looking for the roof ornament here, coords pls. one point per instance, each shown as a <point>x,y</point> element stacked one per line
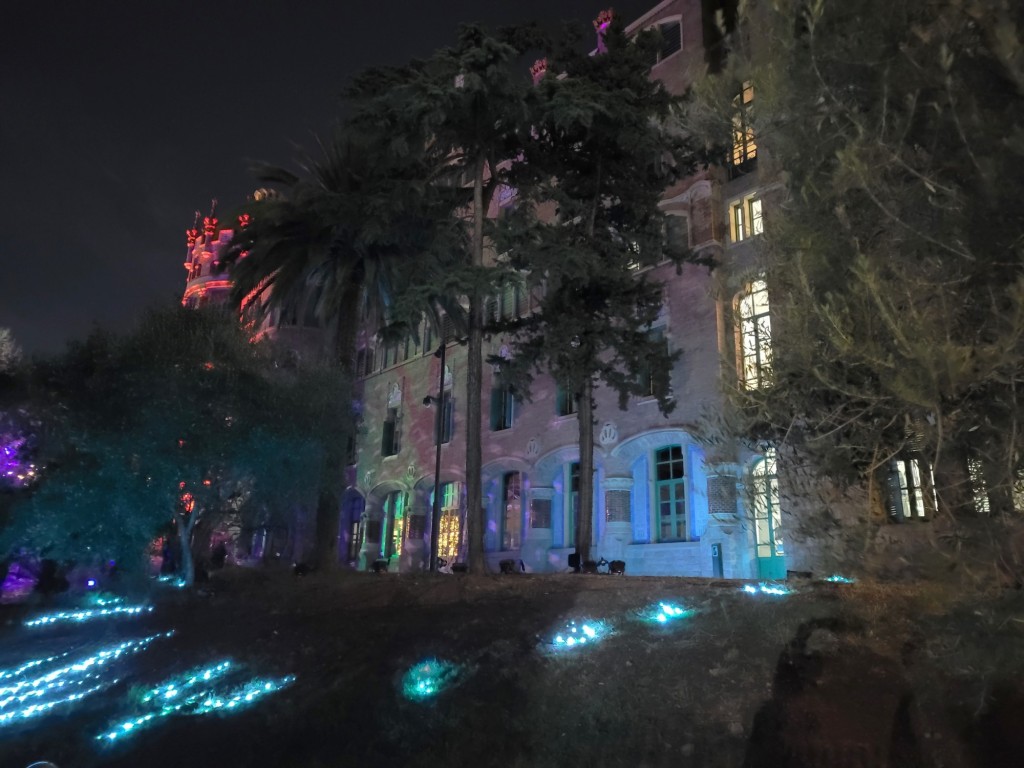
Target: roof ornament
<point>193,234</point>
<point>210,222</point>
<point>601,24</point>
<point>538,70</point>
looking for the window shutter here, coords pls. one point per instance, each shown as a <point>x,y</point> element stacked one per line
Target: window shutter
<point>497,408</point>
<point>671,38</point>
<point>896,512</point>
<point>449,418</point>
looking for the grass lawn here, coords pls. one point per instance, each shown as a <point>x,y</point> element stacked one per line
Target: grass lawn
<point>831,675</point>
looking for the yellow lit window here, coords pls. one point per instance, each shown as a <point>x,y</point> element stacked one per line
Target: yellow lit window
<point>746,219</point>
<point>755,337</point>
<point>744,146</point>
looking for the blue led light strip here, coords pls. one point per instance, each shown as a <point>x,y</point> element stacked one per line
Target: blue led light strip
<point>50,688</point>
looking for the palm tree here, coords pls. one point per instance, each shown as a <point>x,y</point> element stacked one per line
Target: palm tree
<point>342,235</point>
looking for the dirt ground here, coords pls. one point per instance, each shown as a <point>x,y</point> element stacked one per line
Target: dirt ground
<point>833,675</point>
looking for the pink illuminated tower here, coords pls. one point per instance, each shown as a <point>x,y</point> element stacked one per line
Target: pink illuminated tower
<point>204,282</point>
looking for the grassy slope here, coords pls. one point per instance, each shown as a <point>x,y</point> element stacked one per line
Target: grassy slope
<point>900,675</point>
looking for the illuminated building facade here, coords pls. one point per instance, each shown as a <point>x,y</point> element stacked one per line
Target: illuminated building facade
<point>663,502</point>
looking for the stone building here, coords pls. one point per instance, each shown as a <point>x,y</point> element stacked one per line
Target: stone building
<point>664,502</point>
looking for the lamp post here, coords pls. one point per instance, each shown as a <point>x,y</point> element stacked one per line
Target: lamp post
<point>435,522</point>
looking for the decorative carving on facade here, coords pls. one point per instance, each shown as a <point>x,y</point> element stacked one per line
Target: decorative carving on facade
<point>368,476</point>
<point>395,396</point>
<point>533,448</point>
<point>609,434</point>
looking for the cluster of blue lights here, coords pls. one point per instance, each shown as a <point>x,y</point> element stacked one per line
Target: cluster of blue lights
<point>38,686</point>
<point>767,588</point>
<point>103,599</point>
<point>429,678</point>
<point>173,581</point>
<point>197,692</point>
<point>578,635</point>
<point>87,614</point>
<point>835,578</point>
<point>664,613</point>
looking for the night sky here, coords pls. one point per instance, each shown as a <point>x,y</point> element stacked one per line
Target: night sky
<point>118,120</point>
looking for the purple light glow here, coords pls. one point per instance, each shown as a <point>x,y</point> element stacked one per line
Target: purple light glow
<point>15,470</point>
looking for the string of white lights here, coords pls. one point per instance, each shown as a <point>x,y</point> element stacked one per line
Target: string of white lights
<point>86,614</point>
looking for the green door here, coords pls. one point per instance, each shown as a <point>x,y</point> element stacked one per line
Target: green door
<point>771,560</point>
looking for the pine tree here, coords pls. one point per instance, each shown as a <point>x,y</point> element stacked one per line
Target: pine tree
<point>603,147</point>
<point>465,107</point>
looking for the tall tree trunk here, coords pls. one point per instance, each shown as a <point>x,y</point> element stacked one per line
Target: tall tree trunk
<point>585,513</point>
<point>184,525</point>
<point>332,471</point>
<point>474,368</point>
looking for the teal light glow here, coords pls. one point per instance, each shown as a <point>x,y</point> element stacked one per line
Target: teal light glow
<point>835,578</point>
<point>767,588</point>
<point>38,686</point>
<point>576,635</point>
<point>104,599</point>
<point>197,692</point>
<point>664,613</point>
<point>172,581</point>
<point>87,614</point>
<point>429,678</point>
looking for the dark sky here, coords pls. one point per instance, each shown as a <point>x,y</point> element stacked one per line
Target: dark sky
<point>119,119</point>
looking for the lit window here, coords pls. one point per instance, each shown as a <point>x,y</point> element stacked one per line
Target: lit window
<point>512,511</point>
<point>979,486</point>
<point>755,337</point>
<point>744,146</point>
<point>767,508</point>
<point>908,499</point>
<point>394,519</point>
<point>670,493</point>
<point>449,530</point>
<point>745,219</point>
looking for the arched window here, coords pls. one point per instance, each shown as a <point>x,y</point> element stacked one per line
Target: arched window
<point>512,511</point>
<point>755,334</point>
<point>394,520</point>
<point>767,507</point>
<point>450,530</point>
<point>670,493</point>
